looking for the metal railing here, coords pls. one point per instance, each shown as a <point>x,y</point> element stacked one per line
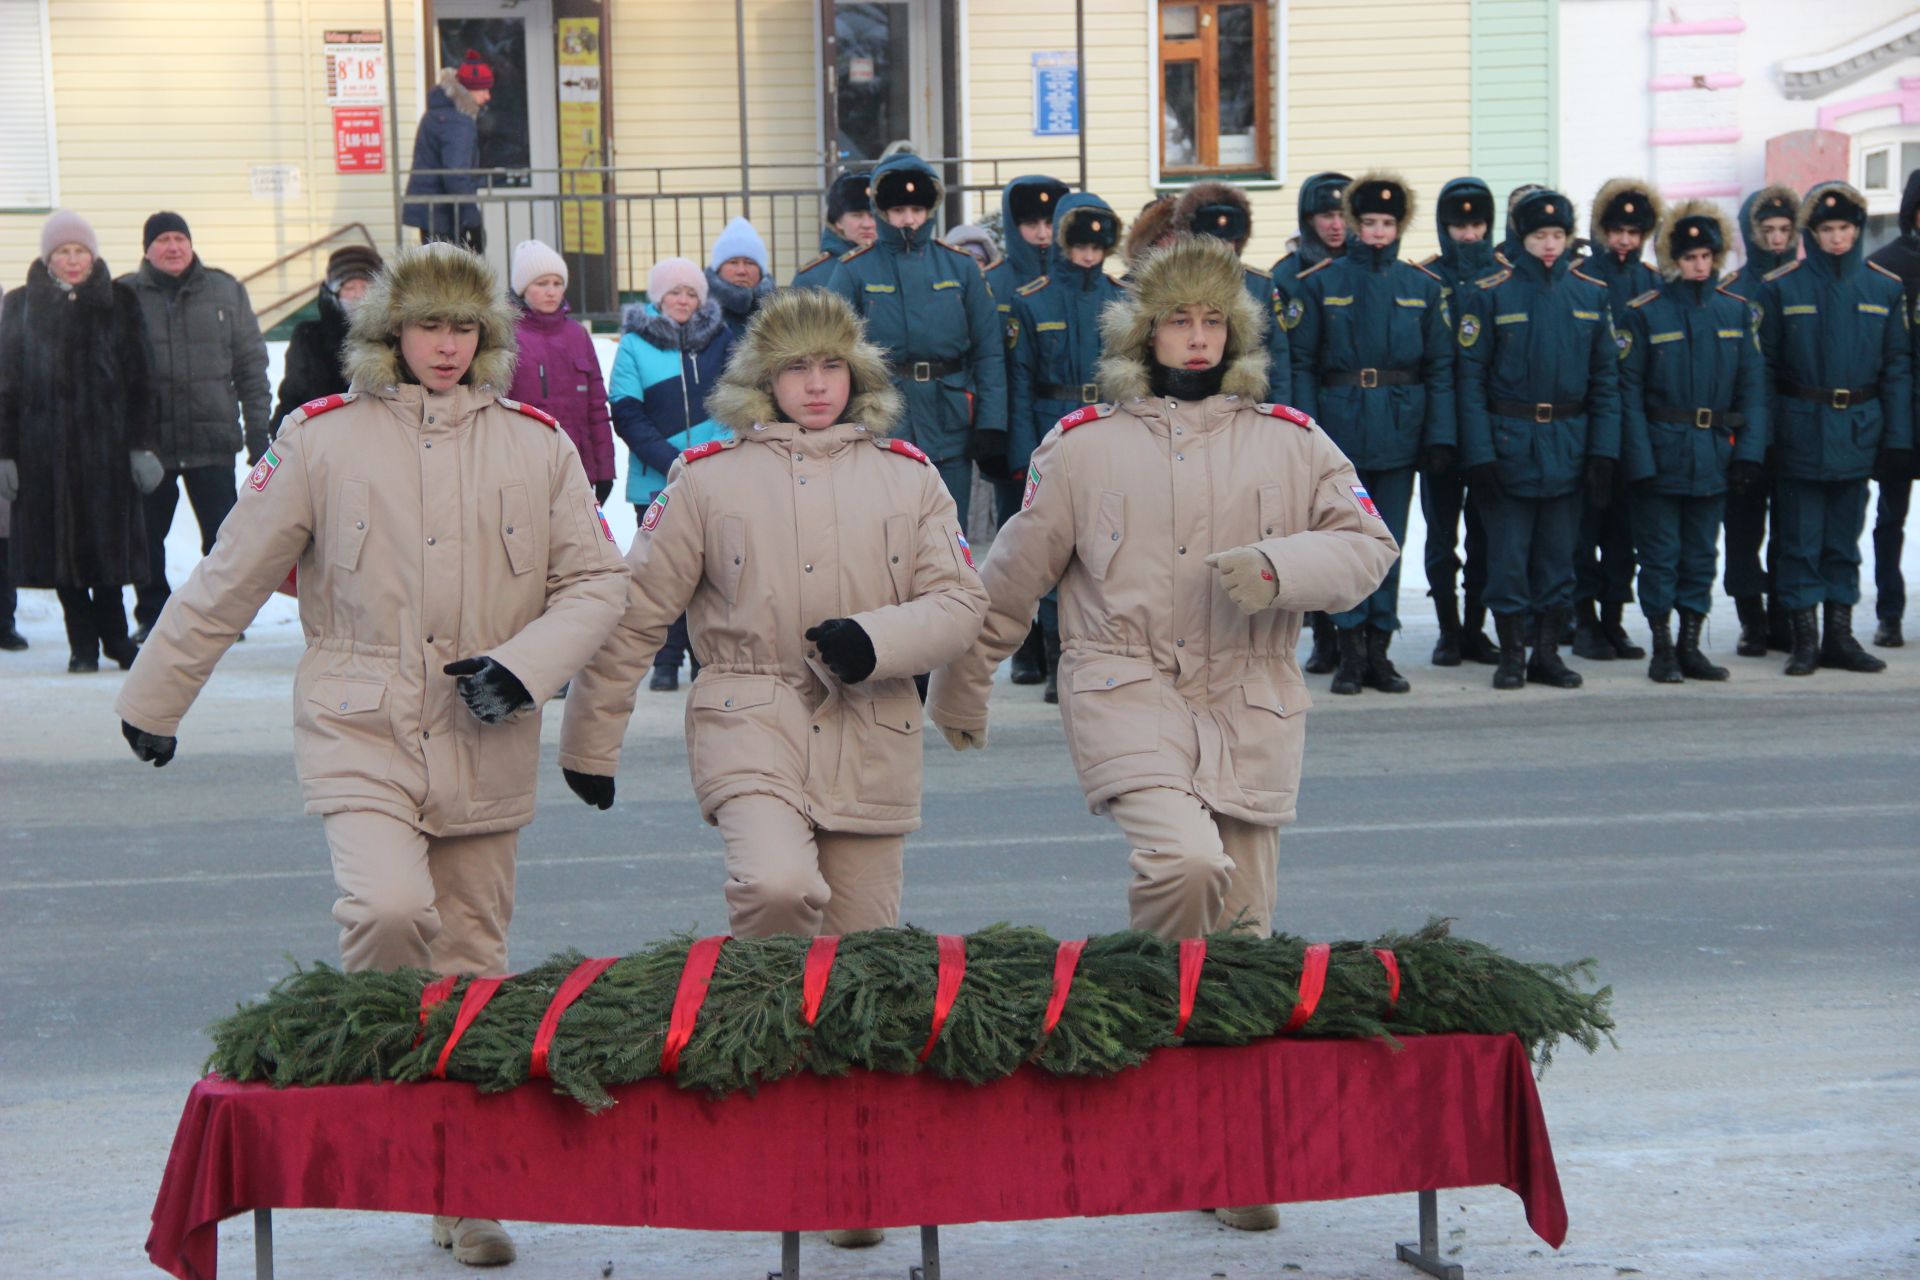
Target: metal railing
<point>271,313</point>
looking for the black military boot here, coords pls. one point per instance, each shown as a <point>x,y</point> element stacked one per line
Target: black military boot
<point>1888,635</point>
<point>1838,648</point>
<point>1616,633</point>
<point>1780,637</point>
<point>1351,673</point>
<point>1512,671</point>
<point>1474,645</point>
<point>1693,663</point>
<point>1325,655</point>
<point>1545,666</point>
<point>1051,647</point>
<point>1589,641</point>
<point>1805,656</point>
<point>1381,673</point>
<point>1753,626</point>
<point>1030,659</point>
<point>1446,650</point>
<point>1665,668</point>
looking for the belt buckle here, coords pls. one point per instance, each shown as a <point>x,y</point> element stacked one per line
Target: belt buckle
<point>1842,397</point>
<point>1543,413</point>
<point>923,371</point>
<point>1703,419</point>
<point>1089,393</point>
<point>1369,378</point>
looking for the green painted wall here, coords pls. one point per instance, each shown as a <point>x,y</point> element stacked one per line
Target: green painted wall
<point>1515,91</point>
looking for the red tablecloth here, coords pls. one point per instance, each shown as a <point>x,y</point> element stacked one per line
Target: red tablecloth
<point>1278,1121</point>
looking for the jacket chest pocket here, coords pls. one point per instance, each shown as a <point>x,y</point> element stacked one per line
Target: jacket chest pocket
<point>729,559</point>
<point>1273,511</point>
<point>351,516</point>
<point>584,372</point>
<point>900,557</point>
<point>516,530</point>
<point>1102,541</point>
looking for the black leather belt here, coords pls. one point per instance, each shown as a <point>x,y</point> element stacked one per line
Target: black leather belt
<point>1084,393</point>
<point>1370,378</point>
<point>1833,397</point>
<point>1541,413</point>
<point>925,370</point>
<point>1705,419</point>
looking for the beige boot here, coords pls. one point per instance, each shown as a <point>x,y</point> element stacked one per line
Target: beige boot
<point>1250,1217</point>
<point>855,1237</point>
<point>478,1242</point>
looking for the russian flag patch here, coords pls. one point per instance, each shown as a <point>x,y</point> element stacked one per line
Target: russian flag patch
<point>966,551</point>
<point>1364,500</point>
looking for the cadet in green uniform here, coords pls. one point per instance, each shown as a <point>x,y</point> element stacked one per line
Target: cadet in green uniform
<point>849,226</point>
<point>1834,328</point>
<point>1373,363</point>
<point>1693,423</point>
<point>1766,226</point>
<point>1626,214</point>
<point>1539,406</point>
<point>927,306</point>
<point>1223,211</point>
<point>1465,215</point>
<point>1027,208</point>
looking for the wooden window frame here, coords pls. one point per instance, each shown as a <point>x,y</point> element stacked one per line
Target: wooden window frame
<point>1203,50</point>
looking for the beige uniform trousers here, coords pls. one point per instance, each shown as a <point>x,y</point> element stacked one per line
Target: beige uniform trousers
<point>411,900</point>
<point>1194,871</point>
<point>784,875</point>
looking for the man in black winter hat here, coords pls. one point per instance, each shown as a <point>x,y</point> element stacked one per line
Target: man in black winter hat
<point>850,225</point>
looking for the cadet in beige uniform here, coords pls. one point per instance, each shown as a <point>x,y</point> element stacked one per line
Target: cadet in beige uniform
<point>1189,527</point>
<point>821,568</point>
<point>453,573</point>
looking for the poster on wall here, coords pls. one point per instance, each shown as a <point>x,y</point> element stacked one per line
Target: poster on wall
<point>356,68</point>
<point>1056,94</point>
<point>583,224</point>
<point>359,140</point>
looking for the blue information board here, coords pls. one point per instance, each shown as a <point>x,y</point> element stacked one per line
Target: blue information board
<point>1056,94</point>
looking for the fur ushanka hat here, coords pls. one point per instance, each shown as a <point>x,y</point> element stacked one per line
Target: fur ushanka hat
<point>1198,270</point>
<point>798,324</point>
<point>437,281</point>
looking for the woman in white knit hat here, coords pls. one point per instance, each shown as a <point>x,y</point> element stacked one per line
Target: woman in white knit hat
<point>559,370</point>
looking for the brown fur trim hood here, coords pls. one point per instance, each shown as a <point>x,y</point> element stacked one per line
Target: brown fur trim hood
<point>1663,255</point>
<point>1613,187</point>
<point>433,282</point>
<point>1202,194</point>
<point>1152,222</point>
<point>792,325</point>
<point>1814,197</point>
<point>1379,178</point>
<point>1193,269</point>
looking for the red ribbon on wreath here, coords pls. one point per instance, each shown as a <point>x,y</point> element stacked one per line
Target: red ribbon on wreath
<point>813,985</point>
<point>430,996</point>
<point>479,991</point>
<point>1392,965</point>
<point>1193,958</point>
<point>695,976</point>
<point>1066,958</point>
<point>570,990</point>
<point>953,968</point>
<point>1313,981</point>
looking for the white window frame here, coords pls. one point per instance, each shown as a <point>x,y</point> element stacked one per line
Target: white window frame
<point>52,139</point>
<point>1277,35</point>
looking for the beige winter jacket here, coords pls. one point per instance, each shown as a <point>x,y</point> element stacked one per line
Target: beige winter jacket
<point>425,529</point>
<point>759,539</point>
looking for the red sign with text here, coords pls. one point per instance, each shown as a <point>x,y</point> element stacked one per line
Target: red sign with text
<point>359,141</point>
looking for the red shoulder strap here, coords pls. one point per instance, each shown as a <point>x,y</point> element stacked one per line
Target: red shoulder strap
<point>706,450</point>
<point>905,450</point>
<point>1286,412</point>
<point>1083,415</point>
<point>325,404</point>
<point>538,415</point>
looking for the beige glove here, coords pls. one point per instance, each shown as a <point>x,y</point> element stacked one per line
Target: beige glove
<point>964,739</point>
<point>1248,577</point>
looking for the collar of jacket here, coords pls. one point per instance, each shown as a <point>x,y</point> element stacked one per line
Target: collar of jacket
<point>898,240</point>
<point>1470,258</point>
<point>1060,268</point>
<point>653,326</point>
<point>1200,417</point>
<point>734,299</point>
<point>1692,293</point>
<point>1528,267</point>
<point>1372,257</point>
<point>554,321</point>
<point>1837,265</point>
<point>409,401</point>
<point>792,439</point>
<point>833,242</point>
<point>95,291</point>
<point>152,277</point>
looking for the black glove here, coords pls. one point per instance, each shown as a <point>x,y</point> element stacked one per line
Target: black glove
<point>1438,460</point>
<point>474,238</point>
<point>845,648</point>
<point>602,490</point>
<point>490,691</point>
<point>988,450</point>
<point>1599,483</point>
<point>1484,481</point>
<point>591,787</point>
<point>149,746</point>
<point>1744,475</point>
<point>257,446</point>
<point>1893,466</point>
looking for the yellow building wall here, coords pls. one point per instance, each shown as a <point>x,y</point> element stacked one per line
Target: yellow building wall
<point>168,106</point>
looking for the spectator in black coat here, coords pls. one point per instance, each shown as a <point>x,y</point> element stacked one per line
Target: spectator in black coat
<point>313,352</point>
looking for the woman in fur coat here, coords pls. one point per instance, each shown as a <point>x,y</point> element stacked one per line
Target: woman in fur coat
<point>76,438</point>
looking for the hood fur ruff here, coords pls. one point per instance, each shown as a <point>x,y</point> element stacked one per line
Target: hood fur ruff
<point>1663,245</point>
<point>1200,195</point>
<point>793,325</point>
<point>1764,197</point>
<point>1151,223</point>
<point>433,282</point>
<point>1378,178</point>
<point>1193,269</point>
<point>1619,186</point>
<point>1808,205</point>
<point>458,94</point>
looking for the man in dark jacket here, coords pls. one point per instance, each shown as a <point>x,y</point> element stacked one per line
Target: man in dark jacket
<point>314,351</point>
<point>1835,331</point>
<point>928,306</point>
<point>1902,257</point>
<point>209,372</point>
<point>1027,208</point>
<point>448,139</point>
<point>849,226</point>
<point>1767,230</point>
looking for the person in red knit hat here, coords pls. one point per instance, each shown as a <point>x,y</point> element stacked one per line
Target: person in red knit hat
<point>446,149</point>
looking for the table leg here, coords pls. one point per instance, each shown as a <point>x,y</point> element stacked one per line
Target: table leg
<point>263,1244</point>
<point>789,1257</point>
<point>929,1268</point>
<point>1427,1256</point>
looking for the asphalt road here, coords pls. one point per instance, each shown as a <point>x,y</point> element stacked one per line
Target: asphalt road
<point>1740,860</point>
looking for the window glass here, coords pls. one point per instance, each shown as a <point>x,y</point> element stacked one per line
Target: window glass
<point>1239,89</point>
<point>1876,171</point>
<point>1179,21</point>
<point>1179,125</point>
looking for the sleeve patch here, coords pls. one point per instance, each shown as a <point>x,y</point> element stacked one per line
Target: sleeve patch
<point>601,516</point>
<point>1032,490</point>
<point>648,522</point>
<point>263,470</point>
<point>1363,500</point>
